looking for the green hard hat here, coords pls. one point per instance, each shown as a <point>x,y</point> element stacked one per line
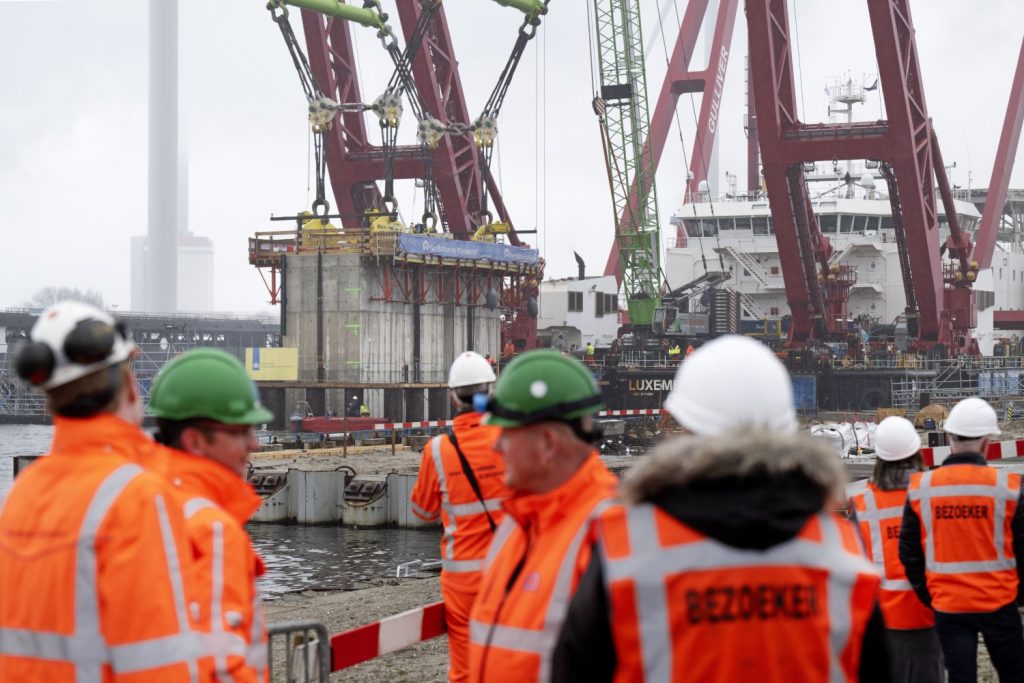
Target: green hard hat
<point>207,383</point>
<point>540,386</point>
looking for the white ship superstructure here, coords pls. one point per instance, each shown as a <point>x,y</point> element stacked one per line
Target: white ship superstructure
<point>735,234</point>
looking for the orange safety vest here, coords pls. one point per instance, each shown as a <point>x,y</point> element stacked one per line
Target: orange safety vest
<point>95,568</point>
<point>530,573</point>
<point>231,618</point>
<point>442,489</point>
<point>966,512</point>
<point>687,607</point>
<point>879,517</point>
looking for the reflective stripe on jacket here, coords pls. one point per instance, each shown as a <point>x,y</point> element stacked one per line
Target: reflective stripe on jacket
<point>879,516</point>
<point>965,513</point>
<point>443,489</point>
<point>530,573</point>
<point>95,569</point>
<point>229,609</point>
<point>685,606</point>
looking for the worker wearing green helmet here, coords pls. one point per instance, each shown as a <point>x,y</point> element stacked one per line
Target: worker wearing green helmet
<point>545,404</point>
<point>206,408</point>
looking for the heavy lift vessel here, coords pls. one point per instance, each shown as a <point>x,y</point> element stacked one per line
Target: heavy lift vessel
<point>940,313</point>
<point>452,162</point>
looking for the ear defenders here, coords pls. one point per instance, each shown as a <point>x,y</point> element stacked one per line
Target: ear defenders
<point>90,341</point>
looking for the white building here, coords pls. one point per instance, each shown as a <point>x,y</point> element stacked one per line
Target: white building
<point>195,274</point>
<point>582,311</point>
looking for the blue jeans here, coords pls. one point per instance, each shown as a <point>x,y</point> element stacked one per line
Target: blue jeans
<point>1004,639</point>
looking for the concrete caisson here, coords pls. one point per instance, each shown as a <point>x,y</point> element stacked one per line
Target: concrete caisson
<point>356,323</point>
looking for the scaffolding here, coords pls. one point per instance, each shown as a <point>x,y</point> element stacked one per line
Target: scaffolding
<point>998,380</point>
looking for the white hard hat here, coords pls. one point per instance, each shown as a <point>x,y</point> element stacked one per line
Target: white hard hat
<point>732,382</point>
<point>973,418</point>
<point>69,341</point>
<point>468,369</point>
<point>896,439</point>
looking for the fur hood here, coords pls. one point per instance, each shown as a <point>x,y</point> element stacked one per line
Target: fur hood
<point>686,461</point>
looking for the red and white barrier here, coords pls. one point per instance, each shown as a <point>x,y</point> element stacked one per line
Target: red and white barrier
<point>445,423</point>
<point>996,451</point>
<point>413,425</point>
<point>387,635</point>
<point>628,413</point>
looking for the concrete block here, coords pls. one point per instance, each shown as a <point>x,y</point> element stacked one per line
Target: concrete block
<point>399,508</point>
<point>274,507</point>
<point>317,497</point>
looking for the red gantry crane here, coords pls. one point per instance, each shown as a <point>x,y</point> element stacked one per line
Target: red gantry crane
<point>454,165</point>
<point>940,301</point>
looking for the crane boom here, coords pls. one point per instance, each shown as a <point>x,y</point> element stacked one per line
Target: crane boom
<point>1006,153</point>
<point>626,124</point>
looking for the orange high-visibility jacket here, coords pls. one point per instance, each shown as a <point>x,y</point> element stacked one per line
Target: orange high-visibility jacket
<point>965,514</point>
<point>879,516</point>
<point>231,621</point>
<point>95,567</point>
<point>531,571</point>
<point>794,612</point>
<point>443,489</point>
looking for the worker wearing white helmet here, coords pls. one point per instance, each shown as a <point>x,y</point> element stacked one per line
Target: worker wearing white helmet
<point>878,512</point>
<point>96,570</point>
<point>462,482</point>
<point>962,545</point>
<point>704,571</point>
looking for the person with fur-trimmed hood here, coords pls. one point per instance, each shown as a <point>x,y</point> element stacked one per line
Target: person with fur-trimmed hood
<point>723,560</point>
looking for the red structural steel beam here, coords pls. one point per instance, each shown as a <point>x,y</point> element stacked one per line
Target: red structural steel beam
<point>457,168</point>
<point>911,157</point>
<point>679,80</point>
<point>905,140</point>
<point>775,100</point>
<point>332,60</point>
<point>354,164</point>
<point>1006,153</point>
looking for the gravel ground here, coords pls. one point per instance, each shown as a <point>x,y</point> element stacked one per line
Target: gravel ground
<point>339,611</point>
<point>428,661</point>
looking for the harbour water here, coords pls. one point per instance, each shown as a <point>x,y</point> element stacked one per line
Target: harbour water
<point>298,557</point>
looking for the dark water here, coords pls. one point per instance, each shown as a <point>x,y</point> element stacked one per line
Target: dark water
<point>297,557</point>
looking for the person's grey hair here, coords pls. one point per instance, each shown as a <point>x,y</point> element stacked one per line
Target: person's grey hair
<point>961,444</point>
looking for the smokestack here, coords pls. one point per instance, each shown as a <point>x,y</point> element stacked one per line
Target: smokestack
<point>581,265</point>
<point>162,275</point>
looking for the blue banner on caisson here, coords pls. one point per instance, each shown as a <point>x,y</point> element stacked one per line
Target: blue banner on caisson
<point>460,249</point>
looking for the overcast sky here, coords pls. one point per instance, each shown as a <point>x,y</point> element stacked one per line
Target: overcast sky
<point>73,123</point>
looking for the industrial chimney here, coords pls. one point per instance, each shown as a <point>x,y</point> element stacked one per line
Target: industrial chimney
<point>162,276</point>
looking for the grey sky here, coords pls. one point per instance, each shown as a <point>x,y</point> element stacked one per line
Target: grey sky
<point>73,123</point>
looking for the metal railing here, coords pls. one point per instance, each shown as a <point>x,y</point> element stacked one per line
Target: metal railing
<point>299,652</point>
<point>999,380</point>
